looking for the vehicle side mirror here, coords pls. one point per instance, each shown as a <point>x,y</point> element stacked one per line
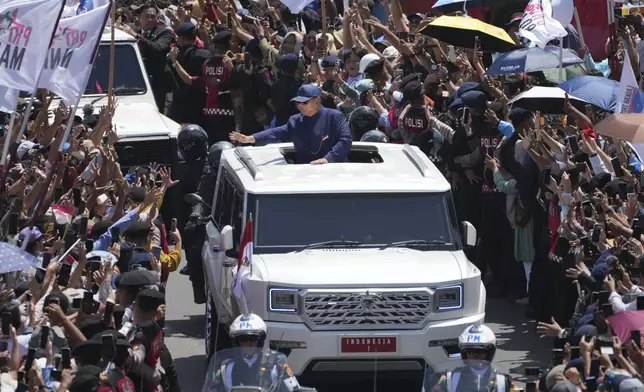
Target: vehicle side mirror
<point>468,233</point>
<point>226,238</point>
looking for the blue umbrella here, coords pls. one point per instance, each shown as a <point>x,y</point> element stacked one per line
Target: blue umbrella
<point>13,259</point>
<point>532,60</point>
<point>596,90</point>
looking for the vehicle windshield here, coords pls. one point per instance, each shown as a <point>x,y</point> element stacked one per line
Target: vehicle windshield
<point>128,78</point>
<point>373,219</point>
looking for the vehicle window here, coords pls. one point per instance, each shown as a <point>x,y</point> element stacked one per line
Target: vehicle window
<point>128,78</point>
<point>229,206</point>
<point>225,190</point>
<point>373,219</point>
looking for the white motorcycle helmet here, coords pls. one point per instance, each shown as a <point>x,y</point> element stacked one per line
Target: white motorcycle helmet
<point>477,339</point>
<point>248,328</point>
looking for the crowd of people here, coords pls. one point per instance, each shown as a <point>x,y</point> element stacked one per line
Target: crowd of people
<point>556,205</point>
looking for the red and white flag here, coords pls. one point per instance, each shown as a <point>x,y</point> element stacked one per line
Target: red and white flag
<point>26,29</point>
<point>245,258</point>
<point>62,214</point>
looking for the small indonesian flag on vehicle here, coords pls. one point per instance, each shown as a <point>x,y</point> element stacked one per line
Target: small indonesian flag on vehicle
<point>245,258</point>
<point>62,214</point>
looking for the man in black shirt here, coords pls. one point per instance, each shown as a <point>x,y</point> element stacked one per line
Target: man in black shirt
<point>188,100</point>
<point>285,89</point>
<point>154,43</point>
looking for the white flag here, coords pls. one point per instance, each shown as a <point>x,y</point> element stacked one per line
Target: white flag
<point>538,25</point>
<point>26,29</point>
<point>8,99</point>
<point>245,259</point>
<point>296,6</point>
<point>630,98</point>
<point>77,7</point>
<point>71,54</point>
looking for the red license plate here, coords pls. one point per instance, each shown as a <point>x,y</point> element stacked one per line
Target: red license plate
<point>368,344</point>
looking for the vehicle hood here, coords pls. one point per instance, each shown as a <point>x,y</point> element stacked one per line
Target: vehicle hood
<point>134,117</point>
<point>349,267</point>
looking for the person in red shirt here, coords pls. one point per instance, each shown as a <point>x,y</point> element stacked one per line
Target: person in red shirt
<point>218,114</point>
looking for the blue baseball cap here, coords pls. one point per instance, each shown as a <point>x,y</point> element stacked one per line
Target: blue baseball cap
<point>306,92</point>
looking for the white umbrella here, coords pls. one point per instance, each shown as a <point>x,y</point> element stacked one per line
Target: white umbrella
<point>548,100</point>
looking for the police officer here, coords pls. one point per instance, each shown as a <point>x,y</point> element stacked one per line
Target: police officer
<point>193,151</point>
<point>196,223</point>
<point>254,367</point>
<point>477,345</point>
<point>147,343</point>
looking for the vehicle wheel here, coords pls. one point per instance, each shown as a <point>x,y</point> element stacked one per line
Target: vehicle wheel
<point>215,340</point>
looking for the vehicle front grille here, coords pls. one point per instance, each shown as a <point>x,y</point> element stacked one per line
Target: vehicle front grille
<point>143,151</point>
<point>367,309</point>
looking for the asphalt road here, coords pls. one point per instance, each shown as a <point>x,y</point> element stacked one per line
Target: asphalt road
<point>518,344</point>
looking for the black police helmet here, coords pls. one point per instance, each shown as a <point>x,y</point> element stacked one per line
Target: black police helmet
<point>193,142</point>
<point>214,155</point>
<point>361,120</point>
<point>374,136</point>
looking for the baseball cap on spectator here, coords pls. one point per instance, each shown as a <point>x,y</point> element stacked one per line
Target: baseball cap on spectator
<point>474,100</point>
<point>390,53</point>
<point>555,374</point>
<point>34,234</point>
<point>614,378</point>
<point>329,61</point>
<point>465,87</point>
<point>289,63</point>
<point>631,385</point>
<point>616,188</point>
<point>138,278</point>
<point>27,148</point>
<point>515,18</point>
<point>364,85</point>
<point>409,78</point>
<point>564,386</point>
<point>187,30</point>
<point>306,92</point>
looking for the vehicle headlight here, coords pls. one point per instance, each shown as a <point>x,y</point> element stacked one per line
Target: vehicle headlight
<point>282,300</point>
<point>448,298</point>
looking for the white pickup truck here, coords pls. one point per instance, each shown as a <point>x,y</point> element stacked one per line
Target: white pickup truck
<point>352,261</point>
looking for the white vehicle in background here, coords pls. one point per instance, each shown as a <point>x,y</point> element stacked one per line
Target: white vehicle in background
<point>352,261</point>
<point>145,134</point>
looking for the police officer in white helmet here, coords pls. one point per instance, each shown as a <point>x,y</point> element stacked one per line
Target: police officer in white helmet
<point>254,366</point>
<point>477,345</point>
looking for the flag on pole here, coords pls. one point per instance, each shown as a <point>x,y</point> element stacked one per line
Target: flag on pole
<point>8,99</point>
<point>245,258</point>
<point>62,214</point>
<point>26,29</point>
<point>538,25</point>
<point>629,96</point>
<point>77,7</point>
<point>72,54</point>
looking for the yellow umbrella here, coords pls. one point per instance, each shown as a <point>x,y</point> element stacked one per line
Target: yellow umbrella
<point>461,31</point>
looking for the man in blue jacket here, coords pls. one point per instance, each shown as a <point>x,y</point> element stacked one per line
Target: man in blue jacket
<point>319,135</point>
